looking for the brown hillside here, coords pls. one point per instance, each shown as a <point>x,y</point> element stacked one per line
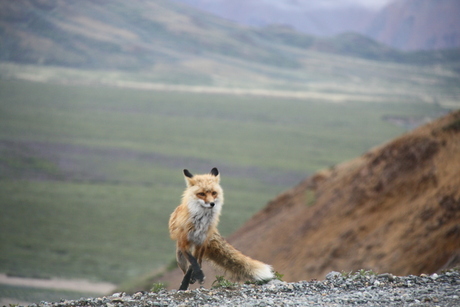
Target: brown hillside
<point>395,209</point>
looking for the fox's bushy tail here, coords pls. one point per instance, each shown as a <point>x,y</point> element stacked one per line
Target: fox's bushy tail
<point>238,266</point>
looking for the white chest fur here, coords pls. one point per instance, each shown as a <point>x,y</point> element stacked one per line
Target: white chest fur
<point>202,218</point>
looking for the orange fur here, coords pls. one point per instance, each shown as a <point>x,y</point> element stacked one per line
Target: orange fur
<point>193,225</point>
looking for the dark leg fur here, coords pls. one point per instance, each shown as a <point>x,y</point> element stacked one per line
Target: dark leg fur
<point>186,280</point>
<point>197,273</point>
<point>193,273</point>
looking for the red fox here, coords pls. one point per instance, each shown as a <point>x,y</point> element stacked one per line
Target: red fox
<point>194,226</point>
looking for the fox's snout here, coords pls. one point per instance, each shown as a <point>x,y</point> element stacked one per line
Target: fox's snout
<point>207,204</point>
<point>210,204</point>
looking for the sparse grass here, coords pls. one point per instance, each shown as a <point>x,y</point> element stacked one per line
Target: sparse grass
<point>90,175</point>
<point>364,272</point>
<point>360,273</point>
<point>221,282</point>
<point>157,287</point>
<point>346,274</point>
<point>279,276</point>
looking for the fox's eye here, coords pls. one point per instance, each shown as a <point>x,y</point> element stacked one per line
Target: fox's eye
<point>214,193</point>
<point>201,194</point>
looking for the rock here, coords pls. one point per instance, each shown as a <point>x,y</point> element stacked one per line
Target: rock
<point>333,275</point>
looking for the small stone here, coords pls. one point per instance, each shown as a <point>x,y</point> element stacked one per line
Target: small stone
<point>276,282</point>
<point>137,295</point>
<point>388,276</point>
<point>333,275</point>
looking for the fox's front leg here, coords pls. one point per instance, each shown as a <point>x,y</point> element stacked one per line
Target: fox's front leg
<point>186,280</point>
<point>198,255</point>
<point>197,273</point>
<point>193,272</point>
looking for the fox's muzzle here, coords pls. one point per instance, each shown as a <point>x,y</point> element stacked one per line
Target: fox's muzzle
<point>212,204</point>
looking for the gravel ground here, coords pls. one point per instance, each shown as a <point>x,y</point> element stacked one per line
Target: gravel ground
<point>362,288</point>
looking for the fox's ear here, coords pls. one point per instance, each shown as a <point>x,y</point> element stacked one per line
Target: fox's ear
<point>215,172</point>
<point>187,173</point>
<point>188,178</point>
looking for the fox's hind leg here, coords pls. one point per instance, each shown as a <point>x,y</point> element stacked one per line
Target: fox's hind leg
<point>181,261</point>
<point>186,269</point>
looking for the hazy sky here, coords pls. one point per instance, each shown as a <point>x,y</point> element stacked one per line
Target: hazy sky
<point>376,4</point>
<point>368,3</point>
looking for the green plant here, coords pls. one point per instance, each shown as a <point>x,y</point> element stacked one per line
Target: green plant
<point>346,274</point>
<point>157,287</point>
<point>221,282</point>
<point>364,272</point>
<point>279,276</point>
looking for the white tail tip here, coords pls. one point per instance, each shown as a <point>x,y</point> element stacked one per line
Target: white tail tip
<point>264,272</point>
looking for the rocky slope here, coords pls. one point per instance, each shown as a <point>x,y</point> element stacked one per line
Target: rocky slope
<point>337,290</point>
<point>395,209</point>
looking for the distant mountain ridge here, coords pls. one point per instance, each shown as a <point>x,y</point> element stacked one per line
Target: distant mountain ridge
<point>304,16</point>
<point>142,44</point>
<point>402,24</point>
<point>139,35</point>
<point>418,24</point>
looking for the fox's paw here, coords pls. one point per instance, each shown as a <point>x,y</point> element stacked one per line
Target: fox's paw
<point>197,276</point>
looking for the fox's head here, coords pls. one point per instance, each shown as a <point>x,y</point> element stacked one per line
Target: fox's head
<point>204,189</point>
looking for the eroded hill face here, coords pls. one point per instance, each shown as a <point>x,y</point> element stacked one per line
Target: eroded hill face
<point>395,209</point>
